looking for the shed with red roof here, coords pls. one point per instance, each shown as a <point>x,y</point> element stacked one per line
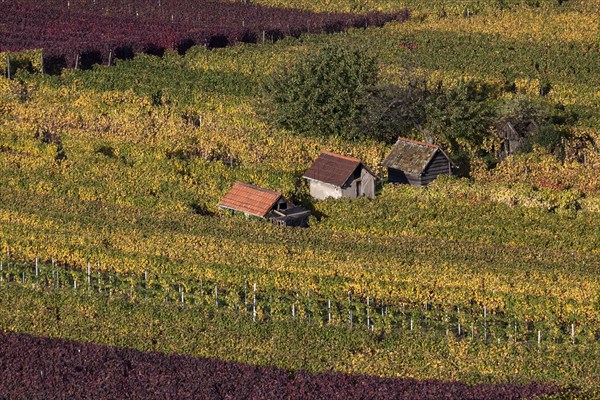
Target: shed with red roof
<point>334,175</point>
<point>263,203</point>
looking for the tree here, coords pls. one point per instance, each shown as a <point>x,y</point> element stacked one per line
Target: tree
<point>324,93</point>
<point>395,110</point>
<point>460,117</point>
<point>551,122</point>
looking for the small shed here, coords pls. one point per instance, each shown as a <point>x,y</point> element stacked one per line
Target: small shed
<point>262,203</point>
<point>513,136</point>
<point>334,175</point>
<point>416,163</point>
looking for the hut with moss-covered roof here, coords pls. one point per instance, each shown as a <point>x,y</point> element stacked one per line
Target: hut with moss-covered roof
<point>416,163</point>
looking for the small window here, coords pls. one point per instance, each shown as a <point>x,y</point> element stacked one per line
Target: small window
<point>282,206</point>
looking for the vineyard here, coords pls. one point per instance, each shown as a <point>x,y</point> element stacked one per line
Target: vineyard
<point>156,376</point>
<point>69,32</point>
<point>467,321</point>
<point>110,177</point>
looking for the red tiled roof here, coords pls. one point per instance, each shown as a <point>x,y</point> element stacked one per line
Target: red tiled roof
<point>332,168</point>
<point>250,199</point>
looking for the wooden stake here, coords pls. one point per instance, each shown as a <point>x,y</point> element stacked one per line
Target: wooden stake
<point>254,305</point>
<point>368,315</point>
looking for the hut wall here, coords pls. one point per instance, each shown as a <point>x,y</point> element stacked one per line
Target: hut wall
<point>349,191</point>
<point>321,190</point>
<point>439,165</point>
<point>367,185</point>
<point>398,176</point>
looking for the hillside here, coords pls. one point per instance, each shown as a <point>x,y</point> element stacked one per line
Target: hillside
<point>122,167</point>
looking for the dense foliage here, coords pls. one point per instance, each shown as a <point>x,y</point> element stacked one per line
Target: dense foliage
<point>81,33</point>
<point>324,94</point>
<point>40,368</point>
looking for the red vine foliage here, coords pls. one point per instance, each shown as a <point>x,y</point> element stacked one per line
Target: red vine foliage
<point>80,33</point>
<point>41,368</point>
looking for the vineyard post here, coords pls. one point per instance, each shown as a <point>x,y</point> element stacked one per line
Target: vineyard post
<point>515,330</point>
<point>263,36</point>
<point>77,61</point>
<point>573,333</point>
<point>216,296</point>
<point>447,324</point>
<point>484,323</point>
<point>1,268</point>
<point>411,323</point>
<point>36,267</point>
<point>109,58</point>
<point>458,318</point>
<point>472,331</point>
<point>368,315</point>
<point>539,337</point>
<point>254,304</point>
<point>329,311</point>
<point>89,273</point>
<point>182,298</point>
<point>294,310</point>
<point>308,313</point>
<point>42,62</point>
<point>74,283</point>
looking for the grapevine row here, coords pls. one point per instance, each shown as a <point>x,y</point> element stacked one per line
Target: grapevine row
<point>87,370</point>
<point>79,33</point>
<point>469,321</point>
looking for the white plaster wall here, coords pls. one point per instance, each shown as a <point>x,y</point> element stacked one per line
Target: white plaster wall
<point>321,191</point>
